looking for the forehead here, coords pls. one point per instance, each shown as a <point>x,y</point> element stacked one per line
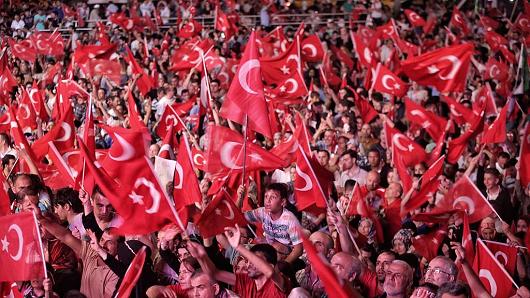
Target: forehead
<point>201,279</point>
<point>100,199</point>
<point>385,257</point>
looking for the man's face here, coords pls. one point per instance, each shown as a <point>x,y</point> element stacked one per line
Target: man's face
<point>346,162</point>
<point>396,282</point>
<point>372,181</point>
<point>438,272</point>
<point>381,265</point>
<point>21,183</point>
<point>30,203</point>
<point>273,202</point>
<point>61,212</point>
<point>253,272</point>
<point>109,243</point>
<point>490,180</point>
<point>341,264</point>
<point>373,159</point>
<point>320,241</point>
<point>103,210</point>
<point>202,286</point>
<point>323,158</point>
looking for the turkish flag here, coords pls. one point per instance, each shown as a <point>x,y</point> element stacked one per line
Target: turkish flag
<point>65,90</point>
<point>169,118</point>
<point>414,19</point>
<point>464,195</point>
<point>495,40</point>
<point>310,188</point>
<point>48,44</point>
<point>223,24</point>
<point>401,168</point>
<point>435,216</point>
<point>455,147</point>
<point>467,240</point>
<point>7,81</point>
<point>427,245</point>
<point>491,273</point>
<point>21,255</point>
<point>185,184</point>
<point>458,112</point>
<point>418,115</point>
<point>311,49</point>
<point>36,97</point>
<point>410,151</point>
<point>506,254</point>
<point>496,70</point>
<point>357,204</point>
<point>199,159</point>
<point>132,274</point>
<point>169,142</point>
<point>291,89</point>
<point>19,139</point>
<point>5,205</point>
<point>243,101</point>
<point>189,29</point>
<point>459,21</point>
<point>62,134</point>
<point>64,169</point>
<point>23,50</point>
<point>407,47</point>
<point>366,34</point>
<point>367,111</point>
<point>522,23</point>
<point>300,138</point>
<point>488,23</point>
<point>388,31</point>
<point>323,271</point>
<point>281,67</point>
<point>144,83</point>
<point>52,74</point>
<point>429,186</point>
<point>225,153</point>
<point>387,82</point>
<point>103,67</point>
<point>484,98</point>
<point>25,113</point>
<point>221,212</point>
<point>83,53</point>
<point>524,157</point>
<point>445,68</point>
<point>364,54</point>
<point>496,131</point>
<point>135,118</point>
<point>188,55</point>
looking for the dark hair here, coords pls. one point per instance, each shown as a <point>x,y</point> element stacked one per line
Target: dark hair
<point>268,251</point>
<point>349,152</point>
<point>325,151</point>
<point>453,288</point>
<point>28,191</point>
<point>349,184</point>
<point>279,187</point>
<point>504,155</point>
<point>430,287</point>
<point>493,171</point>
<point>6,159</point>
<point>68,196</point>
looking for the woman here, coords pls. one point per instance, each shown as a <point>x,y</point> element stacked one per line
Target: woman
<point>402,241</point>
<point>188,266</point>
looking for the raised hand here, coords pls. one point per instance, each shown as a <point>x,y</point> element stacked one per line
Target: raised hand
<point>233,235</point>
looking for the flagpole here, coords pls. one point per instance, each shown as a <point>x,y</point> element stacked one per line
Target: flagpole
<point>245,128</point>
<point>11,171</point>
<point>513,9</point>
<point>41,246</point>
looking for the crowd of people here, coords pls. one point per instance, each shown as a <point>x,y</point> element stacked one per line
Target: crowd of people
<point>382,229</point>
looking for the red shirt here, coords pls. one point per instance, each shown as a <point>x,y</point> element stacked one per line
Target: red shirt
<point>178,290</point>
<point>245,287</point>
<point>368,280</point>
<point>393,218</point>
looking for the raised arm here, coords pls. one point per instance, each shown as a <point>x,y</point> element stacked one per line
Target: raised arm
<point>197,251</point>
<point>63,234</point>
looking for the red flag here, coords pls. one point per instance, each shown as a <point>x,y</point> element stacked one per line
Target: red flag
<point>522,23</point>
<point>243,101</point>
<point>23,50</point>
<point>459,112</point>
<point>310,189</point>
<point>465,195</point>
<point>496,70</point>
<point>62,134</point>
<point>132,274</point>
<point>367,111</point>
<point>169,119</point>
<point>459,21</point>
<point>37,100</point>
<point>225,153</point>
<point>19,139</point>
<point>410,151</point>
<point>7,81</point>
<point>281,67</point>
<point>190,29</point>
<point>496,131</point>
<point>455,147</point>
<point>223,24</point>
<point>427,245</point>
<point>524,157</point>
<point>495,40</point>
<point>403,173</point>
<point>64,170</point>
<point>288,91</point>
<point>185,184</point>
<point>188,55</point>
<point>220,213</point>
<point>26,114</point>
<point>488,23</point>
<point>324,272</point>
<point>364,54</point>
<point>429,186</point>
<point>387,82</point>
<point>144,83</point>
<point>21,257</point>
<point>83,53</point>
<point>491,273</point>
<point>445,68</point>
<point>104,67</point>
<point>467,240</point>
<point>388,31</point>
<point>484,98</point>
<point>311,49</point>
<point>168,144</point>
<point>506,254</point>
<point>5,207</point>
<point>432,123</point>
<point>414,19</point>
<point>429,25</point>
<point>49,44</point>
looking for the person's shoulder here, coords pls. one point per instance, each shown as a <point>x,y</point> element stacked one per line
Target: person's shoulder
<point>288,215</point>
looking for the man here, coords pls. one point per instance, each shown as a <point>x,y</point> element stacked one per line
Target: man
<point>378,165</point>
<point>398,280</point>
<point>204,286</point>
<point>455,290</point>
<point>440,270</point>
<point>68,208</point>
<point>262,279</point>
<point>350,169</point>
<point>97,279</point>
<point>5,146</point>
<point>373,281</point>
<point>279,224</point>
<point>307,278</point>
<point>323,158</point>
<point>98,212</point>
<point>392,209</point>
<point>347,268</point>
<point>375,193</point>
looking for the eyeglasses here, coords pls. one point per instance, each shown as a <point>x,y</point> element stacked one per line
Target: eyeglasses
<point>436,270</point>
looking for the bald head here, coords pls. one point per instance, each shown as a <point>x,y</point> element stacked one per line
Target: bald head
<point>322,242</point>
<point>372,180</point>
<point>346,266</point>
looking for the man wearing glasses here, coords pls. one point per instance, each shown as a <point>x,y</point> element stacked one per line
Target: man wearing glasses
<point>441,270</point>
<point>398,280</point>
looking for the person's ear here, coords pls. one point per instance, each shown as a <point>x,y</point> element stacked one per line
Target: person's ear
<point>217,289</point>
<point>284,202</point>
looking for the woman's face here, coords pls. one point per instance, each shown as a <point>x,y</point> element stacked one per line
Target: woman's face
<point>399,246</point>
<point>185,272</point>
<point>364,227</point>
<point>522,226</point>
